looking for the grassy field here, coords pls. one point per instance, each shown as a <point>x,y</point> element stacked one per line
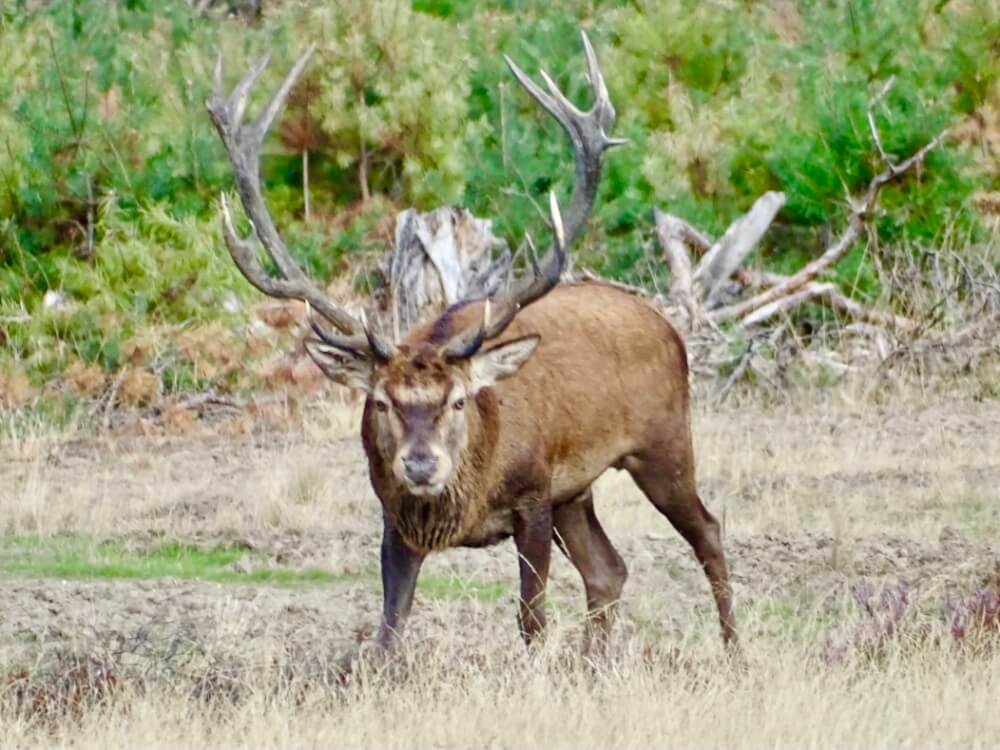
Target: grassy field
<point>217,587</point>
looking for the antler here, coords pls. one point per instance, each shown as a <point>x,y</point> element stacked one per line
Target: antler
<point>243,142</point>
<point>588,133</point>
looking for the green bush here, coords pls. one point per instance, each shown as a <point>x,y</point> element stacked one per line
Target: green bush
<point>110,169</point>
<point>790,113</point>
<point>147,270</point>
<point>390,98</point>
<point>107,97</point>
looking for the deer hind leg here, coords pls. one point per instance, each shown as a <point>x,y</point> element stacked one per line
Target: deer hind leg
<point>580,536</point>
<point>669,485</point>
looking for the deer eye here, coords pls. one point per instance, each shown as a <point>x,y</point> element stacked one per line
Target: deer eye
<point>459,404</point>
<point>381,406</point>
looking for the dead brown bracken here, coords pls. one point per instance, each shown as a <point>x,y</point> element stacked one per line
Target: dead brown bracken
<point>493,420</point>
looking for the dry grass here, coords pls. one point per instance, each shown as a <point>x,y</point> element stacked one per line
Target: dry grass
<point>459,693</point>
<point>815,496</point>
<point>841,465</point>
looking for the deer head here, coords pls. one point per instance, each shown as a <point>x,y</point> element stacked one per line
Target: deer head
<point>423,392</point>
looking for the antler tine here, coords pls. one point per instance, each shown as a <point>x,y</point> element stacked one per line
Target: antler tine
<point>546,277</point>
<point>242,142</point>
<point>244,254</point>
<point>546,100</point>
<point>588,132</point>
<point>603,107</point>
<point>566,107</point>
<point>217,78</point>
<point>236,102</point>
<point>470,340</point>
<point>356,344</point>
<point>277,101</point>
<point>382,349</point>
<point>532,254</point>
<point>557,224</point>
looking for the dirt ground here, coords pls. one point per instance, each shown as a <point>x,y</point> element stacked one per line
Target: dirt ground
<point>813,502</point>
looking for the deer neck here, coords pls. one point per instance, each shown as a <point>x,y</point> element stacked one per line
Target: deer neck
<point>435,522</point>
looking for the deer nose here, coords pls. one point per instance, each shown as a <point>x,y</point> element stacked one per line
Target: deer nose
<point>420,467</point>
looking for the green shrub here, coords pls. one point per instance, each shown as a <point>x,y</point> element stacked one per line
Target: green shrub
<point>390,98</point>
<point>107,97</point>
<point>147,270</point>
<point>794,117</point>
<point>110,169</point>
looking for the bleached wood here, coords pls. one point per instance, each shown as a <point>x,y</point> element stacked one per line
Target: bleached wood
<point>730,250</point>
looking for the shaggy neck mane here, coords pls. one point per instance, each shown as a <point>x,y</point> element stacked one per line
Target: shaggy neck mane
<point>438,522</point>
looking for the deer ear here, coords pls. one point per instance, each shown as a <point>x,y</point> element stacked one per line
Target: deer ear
<point>491,365</point>
<point>343,366</point>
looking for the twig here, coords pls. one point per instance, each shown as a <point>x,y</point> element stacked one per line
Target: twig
<point>871,119</point>
<point>363,160</point>
<point>830,297</point>
<point>747,359</point>
<point>90,218</point>
<point>589,275</point>
<point>211,398</point>
<point>74,126</point>
<point>305,183</point>
<point>112,398</point>
<point>786,303</point>
<point>737,373</point>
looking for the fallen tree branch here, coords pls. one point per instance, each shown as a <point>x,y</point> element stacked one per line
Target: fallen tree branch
<point>829,296</point>
<point>786,303</point>
<point>730,250</point>
<point>671,232</point>
<point>676,227</point>
<point>860,213</point>
<point>677,230</point>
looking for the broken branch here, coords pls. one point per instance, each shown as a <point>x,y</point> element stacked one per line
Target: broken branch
<point>739,240</point>
<point>860,212</point>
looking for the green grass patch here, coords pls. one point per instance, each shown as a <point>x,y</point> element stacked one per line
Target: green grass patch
<point>453,587</point>
<point>75,557</point>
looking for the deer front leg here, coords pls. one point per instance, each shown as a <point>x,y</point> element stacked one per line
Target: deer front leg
<point>400,566</point>
<point>533,538</point>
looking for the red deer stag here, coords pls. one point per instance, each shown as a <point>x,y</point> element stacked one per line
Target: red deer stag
<point>493,420</point>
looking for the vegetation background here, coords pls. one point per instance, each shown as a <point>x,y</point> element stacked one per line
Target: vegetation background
<point>111,264</point>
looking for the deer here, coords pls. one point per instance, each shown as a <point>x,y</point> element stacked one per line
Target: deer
<point>493,420</point>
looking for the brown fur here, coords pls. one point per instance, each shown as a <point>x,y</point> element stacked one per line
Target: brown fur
<point>607,386</point>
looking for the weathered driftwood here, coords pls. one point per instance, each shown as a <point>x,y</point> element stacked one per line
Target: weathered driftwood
<point>439,258</point>
<point>729,252</point>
